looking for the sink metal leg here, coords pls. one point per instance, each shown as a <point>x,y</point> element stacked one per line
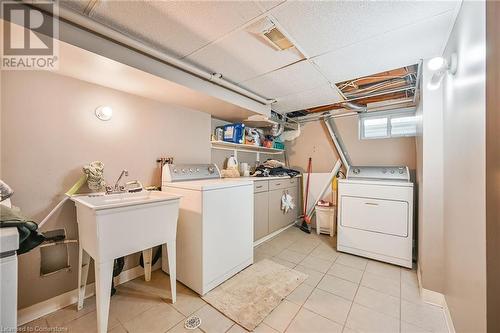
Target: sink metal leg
<point>83,272</point>
<point>103,277</point>
<point>147,257</point>
<point>172,269</point>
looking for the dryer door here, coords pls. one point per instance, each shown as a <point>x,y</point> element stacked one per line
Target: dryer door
<point>376,215</point>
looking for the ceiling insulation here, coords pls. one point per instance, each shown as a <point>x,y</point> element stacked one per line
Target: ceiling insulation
<point>395,87</point>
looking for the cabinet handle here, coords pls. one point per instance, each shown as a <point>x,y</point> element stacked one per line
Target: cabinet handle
<point>260,186</point>
<point>371,204</point>
<point>278,184</point>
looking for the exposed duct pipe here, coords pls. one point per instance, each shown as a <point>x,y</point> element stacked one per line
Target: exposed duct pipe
<point>360,108</point>
<point>118,37</point>
<point>338,142</point>
<point>340,113</point>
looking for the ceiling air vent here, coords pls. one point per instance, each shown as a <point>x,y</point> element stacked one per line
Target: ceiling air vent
<point>277,39</point>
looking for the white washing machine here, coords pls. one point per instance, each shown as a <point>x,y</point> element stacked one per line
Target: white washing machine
<point>375,210</point>
<point>215,228</point>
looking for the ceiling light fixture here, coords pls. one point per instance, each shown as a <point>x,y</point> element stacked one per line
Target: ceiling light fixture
<point>440,66</point>
<point>104,113</point>
<point>277,38</point>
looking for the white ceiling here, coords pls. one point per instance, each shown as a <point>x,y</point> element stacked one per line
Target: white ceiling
<point>394,49</point>
<point>339,40</point>
<point>235,55</point>
<point>87,66</point>
<point>287,80</point>
<point>319,27</point>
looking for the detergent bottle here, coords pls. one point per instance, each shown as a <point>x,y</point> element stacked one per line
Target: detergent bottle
<point>234,133</point>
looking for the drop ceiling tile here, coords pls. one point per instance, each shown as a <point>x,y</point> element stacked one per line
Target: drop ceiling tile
<point>177,27</point>
<point>269,4</point>
<point>289,80</point>
<point>75,5</point>
<point>323,95</point>
<point>402,47</point>
<point>244,54</point>
<point>321,26</point>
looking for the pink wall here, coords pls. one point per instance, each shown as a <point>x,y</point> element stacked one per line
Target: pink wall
<point>49,131</point>
<point>315,142</point>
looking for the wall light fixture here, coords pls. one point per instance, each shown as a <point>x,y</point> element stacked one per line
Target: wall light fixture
<point>104,112</point>
<point>440,66</point>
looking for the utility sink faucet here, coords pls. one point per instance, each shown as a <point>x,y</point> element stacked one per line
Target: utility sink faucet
<point>117,188</point>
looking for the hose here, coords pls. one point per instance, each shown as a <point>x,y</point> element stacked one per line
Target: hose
<point>93,174</point>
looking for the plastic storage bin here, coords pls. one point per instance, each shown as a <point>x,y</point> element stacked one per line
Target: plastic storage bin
<point>326,220</point>
<point>234,133</point>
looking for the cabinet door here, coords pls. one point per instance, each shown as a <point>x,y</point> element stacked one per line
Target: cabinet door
<point>261,215</point>
<point>277,219</point>
<point>294,213</point>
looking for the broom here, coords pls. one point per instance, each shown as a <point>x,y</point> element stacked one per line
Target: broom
<point>306,221</point>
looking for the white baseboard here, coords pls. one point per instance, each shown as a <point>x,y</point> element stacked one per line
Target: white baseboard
<point>433,297</point>
<point>437,299</point>
<point>272,235</point>
<point>53,304</point>
<point>449,321</point>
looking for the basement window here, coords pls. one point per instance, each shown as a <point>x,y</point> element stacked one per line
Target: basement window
<point>386,125</point>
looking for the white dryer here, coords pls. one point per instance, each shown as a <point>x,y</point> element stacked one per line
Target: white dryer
<point>215,228</point>
<point>375,210</point>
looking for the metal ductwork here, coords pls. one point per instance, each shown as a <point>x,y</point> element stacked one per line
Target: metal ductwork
<point>338,142</point>
<point>357,107</point>
<point>387,90</point>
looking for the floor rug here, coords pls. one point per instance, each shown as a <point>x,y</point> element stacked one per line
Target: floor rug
<point>248,297</point>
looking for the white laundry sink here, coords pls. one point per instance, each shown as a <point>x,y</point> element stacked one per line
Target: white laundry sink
<point>107,201</point>
<point>115,225</point>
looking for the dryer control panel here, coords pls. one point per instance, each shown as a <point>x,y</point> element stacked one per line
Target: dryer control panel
<point>399,173</point>
<point>185,172</point>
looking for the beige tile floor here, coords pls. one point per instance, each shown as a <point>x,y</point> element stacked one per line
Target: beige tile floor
<point>343,293</point>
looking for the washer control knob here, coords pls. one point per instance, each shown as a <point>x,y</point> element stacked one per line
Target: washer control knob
<point>384,171</point>
<point>401,171</point>
<point>356,171</point>
<point>211,170</point>
<point>175,170</point>
<point>190,170</point>
<point>392,171</point>
<point>183,170</point>
<point>197,169</point>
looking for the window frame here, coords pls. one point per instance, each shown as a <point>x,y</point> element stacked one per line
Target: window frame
<point>389,115</point>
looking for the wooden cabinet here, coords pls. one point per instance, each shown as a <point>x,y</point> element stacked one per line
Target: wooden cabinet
<point>260,215</point>
<point>294,191</point>
<point>277,218</point>
<point>261,186</point>
<point>268,216</point>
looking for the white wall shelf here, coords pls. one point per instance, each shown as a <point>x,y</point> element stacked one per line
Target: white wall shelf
<point>222,145</point>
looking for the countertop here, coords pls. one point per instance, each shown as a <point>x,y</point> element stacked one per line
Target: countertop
<point>263,178</point>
